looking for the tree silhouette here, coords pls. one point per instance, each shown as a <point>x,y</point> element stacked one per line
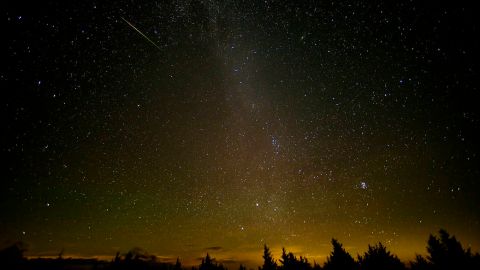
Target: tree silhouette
<point>136,258</point>
<point>339,258</point>
<point>268,261</point>
<point>446,252</point>
<point>287,260</point>
<point>12,256</point>
<point>117,258</point>
<point>290,262</point>
<point>378,258</point>
<point>178,265</point>
<point>60,254</point>
<point>420,263</point>
<point>209,264</point>
<point>316,266</point>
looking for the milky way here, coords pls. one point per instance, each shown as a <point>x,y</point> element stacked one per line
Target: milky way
<point>249,122</point>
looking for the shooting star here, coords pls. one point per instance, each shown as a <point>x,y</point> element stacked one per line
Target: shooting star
<point>140,32</point>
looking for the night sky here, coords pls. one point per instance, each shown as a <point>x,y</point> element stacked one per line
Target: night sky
<point>187,126</point>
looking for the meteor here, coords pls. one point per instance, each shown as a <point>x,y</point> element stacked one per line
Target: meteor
<point>140,32</point>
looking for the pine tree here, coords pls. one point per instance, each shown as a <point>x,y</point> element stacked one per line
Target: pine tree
<point>339,258</point>
<point>290,262</point>
<point>207,263</point>
<point>378,258</point>
<point>268,261</point>
<point>178,265</point>
<point>446,252</point>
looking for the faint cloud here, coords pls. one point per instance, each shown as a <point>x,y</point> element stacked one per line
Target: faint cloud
<point>166,259</point>
<point>215,248</point>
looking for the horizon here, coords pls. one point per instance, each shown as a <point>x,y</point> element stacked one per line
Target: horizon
<point>223,257</point>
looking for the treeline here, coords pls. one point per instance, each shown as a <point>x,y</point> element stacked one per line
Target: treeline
<point>444,252</point>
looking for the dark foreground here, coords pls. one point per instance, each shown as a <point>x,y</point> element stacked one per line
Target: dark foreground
<point>444,252</point>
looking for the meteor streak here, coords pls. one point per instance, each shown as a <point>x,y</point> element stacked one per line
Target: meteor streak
<point>140,32</point>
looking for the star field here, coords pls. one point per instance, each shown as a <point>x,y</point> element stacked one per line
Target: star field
<point>190,126</point>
